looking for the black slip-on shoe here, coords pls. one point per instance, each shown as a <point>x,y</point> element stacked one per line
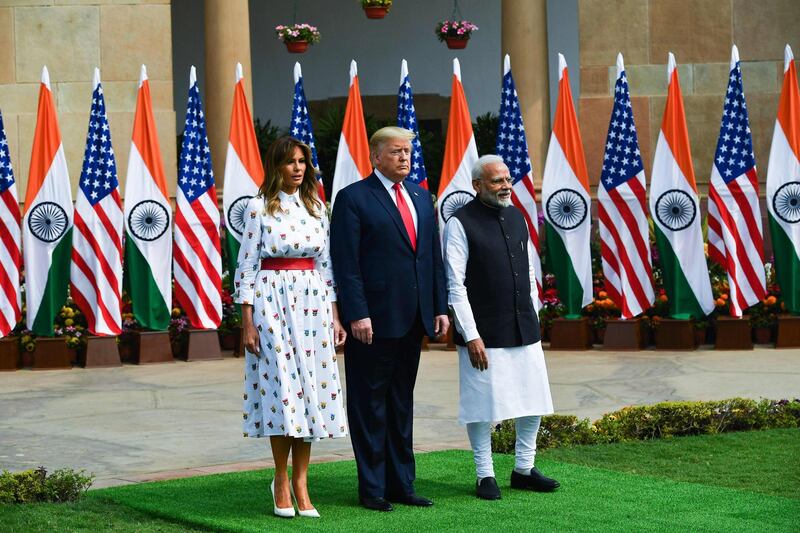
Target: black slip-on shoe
<point>534,481</point>
<point>487,489</point>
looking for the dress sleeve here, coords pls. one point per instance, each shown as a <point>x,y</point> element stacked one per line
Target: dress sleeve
<point>322,262</point>
<point>249,261</point>
<point>456,253</point>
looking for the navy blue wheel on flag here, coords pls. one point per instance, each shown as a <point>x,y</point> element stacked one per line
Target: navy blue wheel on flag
<point>236,214</point>
<point>48,221</point>
<point>567,209</point>
<point>148,220</point>
<point>453,202</point>
<point>786,202</point>
<point>675,209</point>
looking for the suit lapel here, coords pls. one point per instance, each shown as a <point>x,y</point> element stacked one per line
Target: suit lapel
<point>418,198</point>
<point>380,192</point>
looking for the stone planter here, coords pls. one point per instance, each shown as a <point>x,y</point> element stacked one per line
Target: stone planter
<point>296,47</point>
<point>230,340</point>
<point>674,334</point>
<point>570,334</point>
<point>624,335</point>
<point>51,353</point>
<point>101,352</point>
<point>762,335</point>
<point>9,354</point>
<point>788,332</point>
<point>201,345</point>
<point>151,347</point>
<point>733,334</point>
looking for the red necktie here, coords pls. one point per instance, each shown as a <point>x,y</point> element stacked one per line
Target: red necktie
<point>405,214</point>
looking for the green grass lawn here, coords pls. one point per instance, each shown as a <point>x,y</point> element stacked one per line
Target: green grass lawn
<point>732,482</point>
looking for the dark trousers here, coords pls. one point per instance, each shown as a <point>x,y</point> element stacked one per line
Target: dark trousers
<point>380,411</point>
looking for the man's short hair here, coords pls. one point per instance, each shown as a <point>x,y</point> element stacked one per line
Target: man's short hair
<point>477,168</point>
<point>383,135</point>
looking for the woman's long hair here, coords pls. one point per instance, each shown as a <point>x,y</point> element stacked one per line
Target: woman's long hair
<point>279,154</point>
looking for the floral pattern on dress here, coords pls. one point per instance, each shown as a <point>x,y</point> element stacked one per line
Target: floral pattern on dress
<point>292,387</point>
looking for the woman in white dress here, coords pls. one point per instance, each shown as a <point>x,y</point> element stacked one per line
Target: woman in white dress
<point>284,281</point>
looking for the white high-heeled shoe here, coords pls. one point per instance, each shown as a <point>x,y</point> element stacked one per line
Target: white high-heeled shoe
<point>310,513</point>
<point>287,512</point>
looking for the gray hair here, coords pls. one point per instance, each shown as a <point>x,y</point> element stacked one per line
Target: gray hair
<point>477,168</point>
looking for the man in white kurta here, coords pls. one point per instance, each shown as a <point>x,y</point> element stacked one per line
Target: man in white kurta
<point>501,365</point>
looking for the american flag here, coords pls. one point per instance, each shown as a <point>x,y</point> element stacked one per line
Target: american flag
<point>96,268</point>
<point>407,118</point>
<point>622,211</point>
<point>10,256</point>
<point>197,262</point>
<point>735,239</point>
<point>300,127</point>
<point>513,148</point>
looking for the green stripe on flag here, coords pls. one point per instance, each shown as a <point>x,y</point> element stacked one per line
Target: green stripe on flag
<point>683,303</point>
<point>787,266</point>
<point>55,291</point>
<point>570,290</point>
<point>148,304</point>
<point>232,254</point>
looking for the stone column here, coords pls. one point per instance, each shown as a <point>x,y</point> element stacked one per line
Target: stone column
<point>227,34</point>
<point>524,37</point>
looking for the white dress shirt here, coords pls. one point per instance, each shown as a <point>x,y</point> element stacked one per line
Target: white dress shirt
<point>389,184</point>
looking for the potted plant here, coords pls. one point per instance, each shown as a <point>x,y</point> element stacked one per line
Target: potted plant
<point>763,317</point>
<point>455,33</point>
<point>297,37</point>
<point>179,332</point>
<point>376,9</point>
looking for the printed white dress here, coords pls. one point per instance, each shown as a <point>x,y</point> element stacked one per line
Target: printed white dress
<point>292,387</point>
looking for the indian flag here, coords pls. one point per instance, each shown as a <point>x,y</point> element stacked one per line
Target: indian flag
<point>460,154</point>
<point>148,220</point>
<point>783,187</point>
<point>47,223</point>
<point>676,212</point>
<point>352,157</point>
<point>243,171</point>
<point>566,204</point>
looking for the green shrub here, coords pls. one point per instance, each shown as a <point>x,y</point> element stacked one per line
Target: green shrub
<point>661,420</point>
<point>30,486</point>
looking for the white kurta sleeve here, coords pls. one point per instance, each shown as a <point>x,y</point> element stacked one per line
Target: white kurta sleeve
<point>456,253</point>
<point>249,262</point>
<point>532,273</point>
<point>322,262</point>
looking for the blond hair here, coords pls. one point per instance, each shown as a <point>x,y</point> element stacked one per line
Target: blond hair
<point>384,135</point>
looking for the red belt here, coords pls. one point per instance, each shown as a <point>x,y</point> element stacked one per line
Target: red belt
<point>287,263</point>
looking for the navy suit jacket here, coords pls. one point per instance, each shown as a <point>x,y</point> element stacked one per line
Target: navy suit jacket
<point>378,274</point>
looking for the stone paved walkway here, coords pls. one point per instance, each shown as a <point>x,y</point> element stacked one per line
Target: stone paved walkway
<point>133,423</point>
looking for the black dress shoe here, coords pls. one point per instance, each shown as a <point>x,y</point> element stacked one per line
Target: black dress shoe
<point>487,489</point>
<point>376,504</point>
<point>534,481</point>
<point>411,499</point>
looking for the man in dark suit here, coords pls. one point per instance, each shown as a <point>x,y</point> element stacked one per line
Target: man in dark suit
<point>391,291</point>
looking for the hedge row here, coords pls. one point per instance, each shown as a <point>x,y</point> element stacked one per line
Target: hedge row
<point>30,486</point>
<point>658,421</point>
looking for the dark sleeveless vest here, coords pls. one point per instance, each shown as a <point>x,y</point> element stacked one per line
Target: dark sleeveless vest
<point>497,280</point>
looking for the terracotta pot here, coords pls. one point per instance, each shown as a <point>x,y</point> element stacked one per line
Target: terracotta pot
<point>456,43</point>
<point>296,47</point>
<point>376,12</point>
<point>9,353</point>
<point>762,335</point>
<point>230,340</point>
